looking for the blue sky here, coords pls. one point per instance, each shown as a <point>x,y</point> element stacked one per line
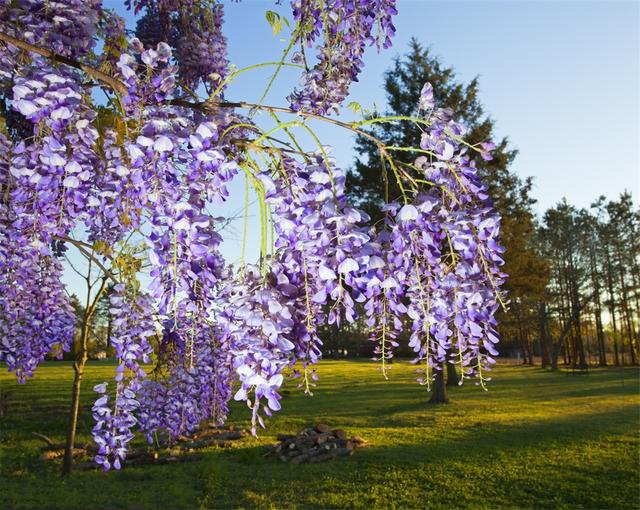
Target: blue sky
<point>560,79</point>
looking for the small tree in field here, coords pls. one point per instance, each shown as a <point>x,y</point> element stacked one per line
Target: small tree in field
<point>143,168</point>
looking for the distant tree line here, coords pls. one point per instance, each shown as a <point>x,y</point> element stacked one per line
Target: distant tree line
<point>589,314</point>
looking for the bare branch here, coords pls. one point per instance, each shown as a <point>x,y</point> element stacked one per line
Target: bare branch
<point>46,439</point>
<point>85,248</point>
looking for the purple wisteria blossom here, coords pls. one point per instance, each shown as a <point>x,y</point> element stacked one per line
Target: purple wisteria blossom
<point>194,30</point>
<point>140,177</point>
<point>348,26</point>
<point>133,326</point>
<point>444,254</point>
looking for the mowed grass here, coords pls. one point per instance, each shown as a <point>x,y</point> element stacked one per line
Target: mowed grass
<point>536,439</point>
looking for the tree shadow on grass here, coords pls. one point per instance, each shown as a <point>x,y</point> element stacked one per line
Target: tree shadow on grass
<point>243,477</point>
<point>472,450</point>
<point>391,404</point>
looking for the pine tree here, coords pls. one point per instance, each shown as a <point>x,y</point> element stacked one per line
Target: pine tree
<point>511,195</point>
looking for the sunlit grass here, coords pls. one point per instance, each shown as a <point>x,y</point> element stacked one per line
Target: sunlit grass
<point>536,439</point>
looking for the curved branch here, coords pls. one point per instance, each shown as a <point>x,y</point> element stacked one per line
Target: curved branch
<point>84,249</point>
<point>211,106</point>
<point>112,82</point>
<point>205,106</point>
<point>208,106</point>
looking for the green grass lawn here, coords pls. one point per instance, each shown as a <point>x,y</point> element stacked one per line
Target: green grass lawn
<point>536,439</point>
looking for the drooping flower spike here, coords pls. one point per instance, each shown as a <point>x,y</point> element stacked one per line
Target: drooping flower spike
<point>148,167</point>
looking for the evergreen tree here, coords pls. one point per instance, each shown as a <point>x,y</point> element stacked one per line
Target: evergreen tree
<point>511,195</point>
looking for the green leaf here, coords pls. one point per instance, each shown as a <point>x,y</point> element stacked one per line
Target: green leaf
<point>275,21</point>
<point>354,106</point>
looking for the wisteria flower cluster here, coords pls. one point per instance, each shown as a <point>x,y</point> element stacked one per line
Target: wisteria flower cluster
<point>153,161</point>
<point>348,27</point>
<point>133,327</point>
<point>194,29</point>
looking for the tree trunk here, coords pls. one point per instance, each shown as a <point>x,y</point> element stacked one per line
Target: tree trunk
<point>530,347</point>
<point>612,308</point>
<point>626,316</point>
<point>581,359</point>
<point>545,337</point>
<point>555,354</point>
<point>595,280</point>
<point>560,344</point>
<point>630,330</point>
<point>439,389</point>
<point>602,351</point>
<point>78,368</point>
<point>567,350</point>
<point>452,375</point>
<point>523,346</point>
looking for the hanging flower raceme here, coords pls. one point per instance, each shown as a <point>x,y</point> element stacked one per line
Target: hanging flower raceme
<point>35,314</point>
<point>182,168</point>
<point>52,182</point>
<point>149,28</point>
<point>446,254</point>
<point>257,316</point>
<point>320,235</point>
<point>187,386</point>
<point>194,30</point>
<point>321,259</point>
<point>201,48</point>
<point>66,27</point>
<point>349,27</point>
<point>133,326</point>
<point>36,317</point>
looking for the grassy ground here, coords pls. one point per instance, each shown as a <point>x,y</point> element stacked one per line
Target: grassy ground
<point>536,439</point>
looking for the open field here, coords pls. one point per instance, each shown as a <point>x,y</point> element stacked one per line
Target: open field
<point>536,439</point>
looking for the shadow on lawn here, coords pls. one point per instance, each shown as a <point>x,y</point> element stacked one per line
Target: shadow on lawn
<point>432,450</point>
<point>477,439</point>
<point>391,403</point>
<point>477,448</point>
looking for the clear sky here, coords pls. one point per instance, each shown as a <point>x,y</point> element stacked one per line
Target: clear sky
<point>560,78</point>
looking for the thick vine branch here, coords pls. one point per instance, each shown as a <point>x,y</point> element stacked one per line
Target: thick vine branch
<point>207,106</point>
<point>211,106</point>
<point>112,82</point>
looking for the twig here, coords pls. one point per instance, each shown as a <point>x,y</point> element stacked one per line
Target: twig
<point>46,439</point>
<point>84,249</point>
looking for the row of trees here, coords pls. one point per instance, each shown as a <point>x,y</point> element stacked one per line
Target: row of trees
<point>592,301</point>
